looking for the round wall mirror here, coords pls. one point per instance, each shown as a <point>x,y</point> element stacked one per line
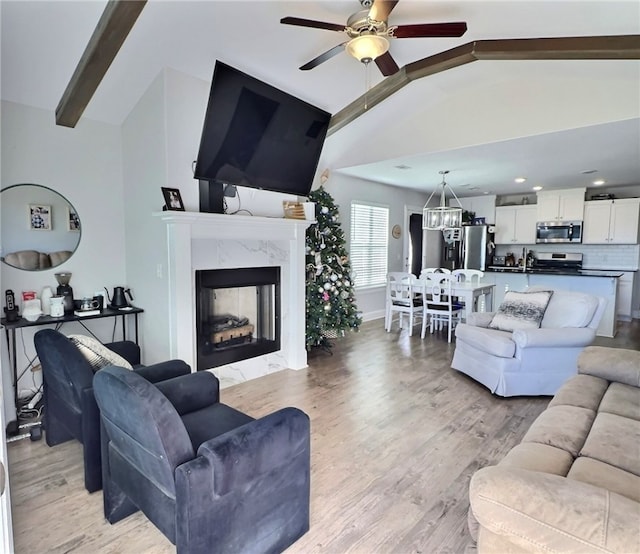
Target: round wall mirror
<point>40,227</point>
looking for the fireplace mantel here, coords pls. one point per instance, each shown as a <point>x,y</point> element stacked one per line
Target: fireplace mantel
<point>214,241</point>
<point>224,226</point>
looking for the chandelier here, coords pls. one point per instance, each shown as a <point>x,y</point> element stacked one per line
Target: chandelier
<point>442,217</point>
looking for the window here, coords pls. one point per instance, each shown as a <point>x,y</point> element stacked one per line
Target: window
<point>369,244</point>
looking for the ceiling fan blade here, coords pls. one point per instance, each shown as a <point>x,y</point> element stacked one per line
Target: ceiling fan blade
<point>381,9</point>
<point>454,29</point>
<point>323,57</point>
<point>386,64</point>
<point>311,23</point>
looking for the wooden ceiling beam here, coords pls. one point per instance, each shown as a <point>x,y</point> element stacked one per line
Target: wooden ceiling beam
<point>114,26</point>
<point>622,47</point>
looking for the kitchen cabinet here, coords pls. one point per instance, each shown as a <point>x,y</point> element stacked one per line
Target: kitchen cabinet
<point>611,221</point>
<point>606,287</point>
<point>625,293</point>
<point>561,205</point>
<point>516,225</point>
<point>482,206</point>
<point>508,281</point>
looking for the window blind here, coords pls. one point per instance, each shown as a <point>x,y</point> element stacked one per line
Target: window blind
<point>369,244</point>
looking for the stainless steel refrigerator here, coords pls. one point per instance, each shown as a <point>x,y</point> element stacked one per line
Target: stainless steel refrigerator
<point>473,250</point>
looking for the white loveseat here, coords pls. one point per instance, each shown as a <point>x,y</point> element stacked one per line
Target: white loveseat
<point>529,362</point>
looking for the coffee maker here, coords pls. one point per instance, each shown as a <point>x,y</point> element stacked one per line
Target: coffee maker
<point>65,290</point>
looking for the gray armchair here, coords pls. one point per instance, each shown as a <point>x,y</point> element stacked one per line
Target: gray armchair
<point>70,409</point>
<point>211,478</point>
<point>529,362</point>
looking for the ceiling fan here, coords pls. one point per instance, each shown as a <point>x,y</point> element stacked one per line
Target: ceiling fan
<point>368,31</point>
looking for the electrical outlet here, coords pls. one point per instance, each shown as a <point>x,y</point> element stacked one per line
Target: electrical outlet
<point>159,271</point>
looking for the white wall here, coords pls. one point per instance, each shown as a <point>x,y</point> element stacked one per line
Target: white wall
<point>344,189</point>
<point>85,166</point>
<point>144,141</point>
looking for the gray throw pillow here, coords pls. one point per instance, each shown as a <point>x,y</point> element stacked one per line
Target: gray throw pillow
<point>97,354</point>
<point>521,310</point>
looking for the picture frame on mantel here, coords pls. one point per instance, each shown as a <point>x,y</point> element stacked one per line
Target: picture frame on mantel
<point>172,199</point>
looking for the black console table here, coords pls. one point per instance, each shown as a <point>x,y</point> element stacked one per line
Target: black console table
<point>11,326</point>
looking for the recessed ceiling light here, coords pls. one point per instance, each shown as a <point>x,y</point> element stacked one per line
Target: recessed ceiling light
<point>537,187</point>
<point>599,182</point>
<point>402,166</point>
<point>589,171</point>
<point>520,179</point>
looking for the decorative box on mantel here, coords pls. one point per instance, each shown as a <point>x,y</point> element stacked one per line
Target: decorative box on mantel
<point>199,241</point>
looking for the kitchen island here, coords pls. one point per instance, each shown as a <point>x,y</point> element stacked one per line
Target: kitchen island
<point>598,282</point>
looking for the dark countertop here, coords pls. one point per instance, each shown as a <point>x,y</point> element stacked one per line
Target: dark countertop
<point>572,273</point>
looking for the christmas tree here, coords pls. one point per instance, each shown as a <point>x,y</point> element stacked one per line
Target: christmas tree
<point>330,306</point>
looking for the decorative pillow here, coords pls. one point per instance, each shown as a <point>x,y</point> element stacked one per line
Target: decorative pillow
<point>97,354</point>
<point>521,310</point>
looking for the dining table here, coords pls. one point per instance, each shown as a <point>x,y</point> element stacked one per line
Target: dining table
<point>470,292</point>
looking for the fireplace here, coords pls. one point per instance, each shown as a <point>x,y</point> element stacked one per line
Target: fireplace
<point>202,241</point>
<point>237,314</point>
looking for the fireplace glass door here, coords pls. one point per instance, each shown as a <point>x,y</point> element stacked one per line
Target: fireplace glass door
<point>237,314</point>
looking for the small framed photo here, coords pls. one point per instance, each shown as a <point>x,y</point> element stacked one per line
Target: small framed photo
<point>39,217</point>
<point>73,221</point>
<point>172,199</point>
<point>479,221</point>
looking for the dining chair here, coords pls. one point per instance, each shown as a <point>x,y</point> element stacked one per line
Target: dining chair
<point>402,298</point>
<point>435,270</point>
<point>471,276</point>
<point>439,307</point>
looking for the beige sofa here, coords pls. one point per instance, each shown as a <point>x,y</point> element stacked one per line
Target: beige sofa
<point>33,260</point>
<point>573,483</point>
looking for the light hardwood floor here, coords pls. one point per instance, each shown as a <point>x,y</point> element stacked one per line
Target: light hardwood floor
<point>396,436</point>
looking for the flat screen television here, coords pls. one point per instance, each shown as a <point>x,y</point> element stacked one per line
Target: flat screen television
<point>256,135</point>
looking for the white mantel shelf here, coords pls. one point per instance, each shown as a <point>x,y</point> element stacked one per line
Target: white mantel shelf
<point>225,226</point>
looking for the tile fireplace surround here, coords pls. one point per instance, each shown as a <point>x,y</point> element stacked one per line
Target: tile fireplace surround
<point>218,241</point>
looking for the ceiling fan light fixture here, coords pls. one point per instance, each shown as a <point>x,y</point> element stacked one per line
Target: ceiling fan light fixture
<point>367,48</point>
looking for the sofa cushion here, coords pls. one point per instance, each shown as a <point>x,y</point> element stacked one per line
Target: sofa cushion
<point>521,310</point>
<point>538,457</point>
<point>569,309</point>
<point>614,440</point>
<point>622,400</point>
<point>613,364</point>
<point>606,476</point>
<point>97,354</point>
<point>584,391</point>
<point>497,343</point>
<point>564,427</point>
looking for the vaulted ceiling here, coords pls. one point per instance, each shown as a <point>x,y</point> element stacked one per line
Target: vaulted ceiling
<point>42,43</point>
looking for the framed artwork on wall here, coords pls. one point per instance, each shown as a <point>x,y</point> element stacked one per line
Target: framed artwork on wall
<point>172,199</point>
<point>73,221</point>
<point>39,217</point>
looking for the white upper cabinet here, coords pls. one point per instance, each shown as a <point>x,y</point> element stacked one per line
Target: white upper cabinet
<point>561,205</point>
<point>482,206</point>
<point>611,221</point>
<point>516,225</point>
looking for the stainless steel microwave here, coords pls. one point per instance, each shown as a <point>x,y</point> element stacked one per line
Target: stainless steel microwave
<point>558,231</point>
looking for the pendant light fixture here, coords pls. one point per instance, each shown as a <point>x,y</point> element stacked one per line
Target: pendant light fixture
<point>442,217</point>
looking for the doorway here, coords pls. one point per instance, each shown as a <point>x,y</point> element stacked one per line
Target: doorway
<point>415,244</point>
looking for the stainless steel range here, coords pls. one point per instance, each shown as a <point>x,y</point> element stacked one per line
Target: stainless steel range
<point>557,262</point>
